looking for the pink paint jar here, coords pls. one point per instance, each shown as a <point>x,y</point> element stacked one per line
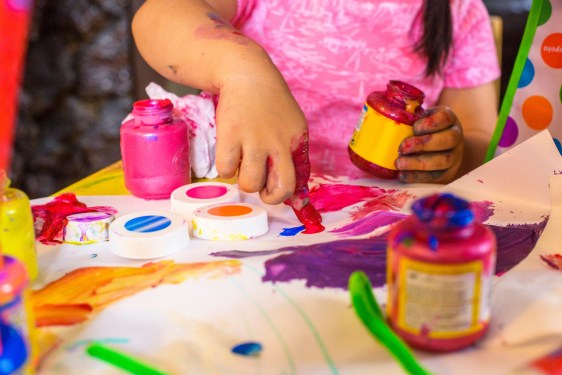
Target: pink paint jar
<point>385,121</point>
<point>154,150</point>
<point>440,264</point>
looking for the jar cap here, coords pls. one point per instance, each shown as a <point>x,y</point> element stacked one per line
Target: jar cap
<point>443,211</point>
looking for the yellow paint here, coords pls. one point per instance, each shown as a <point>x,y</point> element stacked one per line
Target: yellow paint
<point>110,181</point>
<point>377,138</point>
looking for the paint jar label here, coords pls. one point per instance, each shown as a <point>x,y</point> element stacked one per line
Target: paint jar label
<point>442,301</point>
<point>376,137</point>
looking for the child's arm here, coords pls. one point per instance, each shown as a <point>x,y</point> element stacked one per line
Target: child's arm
<point>453,139</point>
<point>259,122</point>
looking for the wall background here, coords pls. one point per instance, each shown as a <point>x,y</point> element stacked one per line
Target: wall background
<point>82,76</point>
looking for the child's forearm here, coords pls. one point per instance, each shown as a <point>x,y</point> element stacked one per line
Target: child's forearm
<point>189,42</point>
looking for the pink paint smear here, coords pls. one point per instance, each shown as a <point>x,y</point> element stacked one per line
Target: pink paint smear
<point>50,219</point>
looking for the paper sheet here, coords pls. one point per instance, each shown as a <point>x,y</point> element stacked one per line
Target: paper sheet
<point>189,327</point>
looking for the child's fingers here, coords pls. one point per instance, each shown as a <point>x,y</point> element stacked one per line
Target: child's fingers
<point>228,156</point>
<point>411,177</point>
<point>433,161</point>
<point>438,118</point>
<point>280,182</point>
<point>439,141</point>
<point>252,172</point>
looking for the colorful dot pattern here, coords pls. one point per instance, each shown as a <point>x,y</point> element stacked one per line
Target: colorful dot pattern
<point>148,224</point>
<point>537,104</point>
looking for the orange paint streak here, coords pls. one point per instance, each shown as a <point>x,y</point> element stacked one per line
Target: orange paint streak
<point>77,295</point>
<point>230,210</point>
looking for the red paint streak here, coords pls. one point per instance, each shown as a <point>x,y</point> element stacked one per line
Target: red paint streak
<point>335,197</point>
<point>554,261</point>
<point>300,200</point>
<point>51,217</point>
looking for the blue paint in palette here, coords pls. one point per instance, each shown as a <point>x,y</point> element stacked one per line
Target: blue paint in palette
<point>148,224</point>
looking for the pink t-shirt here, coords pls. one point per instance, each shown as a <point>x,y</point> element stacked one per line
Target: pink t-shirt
<point>333,53</point>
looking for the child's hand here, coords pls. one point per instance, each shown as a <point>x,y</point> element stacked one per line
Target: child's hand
<point>258,126</point>
<point>434,153</point>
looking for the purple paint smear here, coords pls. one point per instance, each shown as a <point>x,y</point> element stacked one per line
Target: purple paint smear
<point>369,223</point>
<point>329,265</point>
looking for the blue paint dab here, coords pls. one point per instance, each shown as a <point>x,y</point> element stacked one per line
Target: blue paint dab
<point>558,145</point>
<point>290,232</point>
<point>250,348</point>
<point>147,224</point>
<point>93,255</point>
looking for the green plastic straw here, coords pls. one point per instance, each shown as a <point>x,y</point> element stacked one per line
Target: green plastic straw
<point>121,360</point>
<point>518,66</point>
<point>370,314</point>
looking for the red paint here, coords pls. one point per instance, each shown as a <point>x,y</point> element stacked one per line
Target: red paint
<point>51,217</point>
<point>300,200</point>
<point>335,197</point>
<point>554,261</point>
<point>14,26</point>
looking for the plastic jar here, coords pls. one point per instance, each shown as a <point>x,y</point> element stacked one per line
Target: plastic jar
<point>15,336</point>
<point>17,237</point>
<point>154,150</point>
<point>440,263</point>
<point>386,120</point>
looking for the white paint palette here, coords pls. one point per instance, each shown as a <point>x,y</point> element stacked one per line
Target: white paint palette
<point>87,227</point>
<point>148,234</point>
<point>186,199</point>
<point>230,221</point>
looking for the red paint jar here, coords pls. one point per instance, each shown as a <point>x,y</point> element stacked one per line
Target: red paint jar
<point>385,121</point>
<point>440,264</point>
<point>155,150</point>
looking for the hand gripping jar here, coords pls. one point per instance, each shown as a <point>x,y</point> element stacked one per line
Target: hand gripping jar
<point>440,263</point>
<point>386,120</point>
<point>154,150</point>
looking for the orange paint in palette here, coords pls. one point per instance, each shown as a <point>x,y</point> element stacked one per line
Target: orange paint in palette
<point>230,210</point>
<point>230,221</point>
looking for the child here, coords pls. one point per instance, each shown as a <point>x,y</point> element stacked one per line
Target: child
<point>288,63</point>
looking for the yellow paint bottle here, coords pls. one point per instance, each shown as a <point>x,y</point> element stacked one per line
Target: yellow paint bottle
<point>17,236</point>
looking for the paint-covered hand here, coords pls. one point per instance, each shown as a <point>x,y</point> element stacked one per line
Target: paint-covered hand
<point>434,153</point>
<point>258,125</point>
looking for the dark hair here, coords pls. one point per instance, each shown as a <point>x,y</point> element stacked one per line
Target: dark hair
<point>437,38</point>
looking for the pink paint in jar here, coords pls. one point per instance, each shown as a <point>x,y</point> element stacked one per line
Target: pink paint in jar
<point>155,150</point>
<point>440,264</point>
<point>386,120</point>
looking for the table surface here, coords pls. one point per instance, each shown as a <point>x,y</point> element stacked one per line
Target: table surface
<point>196,306</point>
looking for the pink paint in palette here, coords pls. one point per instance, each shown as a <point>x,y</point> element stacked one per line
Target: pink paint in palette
<point>188,198</point>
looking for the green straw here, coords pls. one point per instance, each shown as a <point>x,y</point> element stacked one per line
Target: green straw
<point>370,314</point>
<point>121,360</point>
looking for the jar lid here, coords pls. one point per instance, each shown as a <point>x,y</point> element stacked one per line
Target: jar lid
<point>443,211</point>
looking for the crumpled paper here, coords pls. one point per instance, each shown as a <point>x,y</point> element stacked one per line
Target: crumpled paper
<point>198,111</point>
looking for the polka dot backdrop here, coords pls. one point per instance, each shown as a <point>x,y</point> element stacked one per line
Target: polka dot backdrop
<point>537,104</point>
